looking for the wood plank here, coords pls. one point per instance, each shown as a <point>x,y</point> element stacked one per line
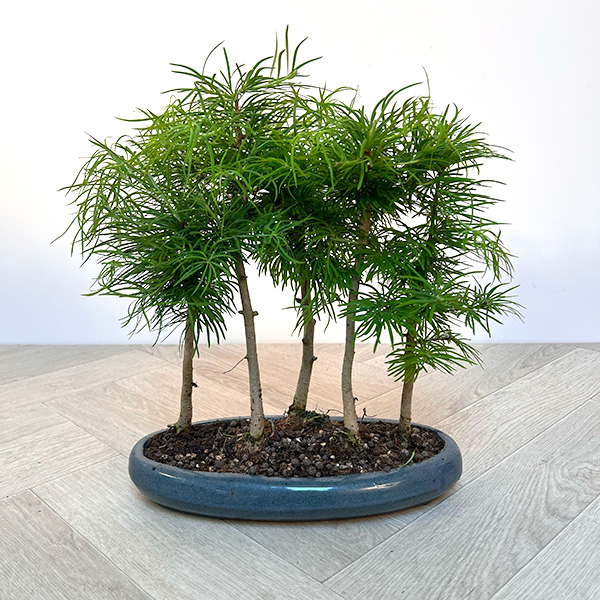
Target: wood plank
<point>12,349</point>
<point>76,378</point>
<point>30,419</point>
<point>277,384</point>
<point>320,549</point>
<point>491,429</point>
<point>42,557</point>
<point>402,518</point>
<point>167,352</point>
<point>279,370</point>
<point>119,414</point>
<point>438,395</point>
<point>566,569</point>
<point>114,415</point>
<point>590,346</point>
<point>367,381</point>
<point>495,427</point>
<point>52,448</point>
<point>364,353</point>
<point>169,554</point>
<point>325,387</point>
<point>171,353</point>
<point>476,541</point>
<point>211,398</point>
<point>45,359</point>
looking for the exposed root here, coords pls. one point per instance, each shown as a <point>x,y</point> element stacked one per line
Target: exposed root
<point>180,429</point>
<point>352,438</point>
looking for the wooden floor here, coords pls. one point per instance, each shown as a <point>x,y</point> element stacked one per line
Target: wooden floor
<point>523,522</point>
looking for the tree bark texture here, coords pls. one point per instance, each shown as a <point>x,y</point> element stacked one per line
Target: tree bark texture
<point>407,394</point>
<point>350,420</point>
<point>257,417</point>
<point>308,357</point>
<point>187,381</point>
<point>406,408</point>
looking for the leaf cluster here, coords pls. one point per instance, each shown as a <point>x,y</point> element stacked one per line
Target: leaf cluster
<point>253,163</point>
<point>169,211</point>
<point>439,263</point>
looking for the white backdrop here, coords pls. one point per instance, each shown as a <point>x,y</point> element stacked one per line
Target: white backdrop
<point>529,71</point>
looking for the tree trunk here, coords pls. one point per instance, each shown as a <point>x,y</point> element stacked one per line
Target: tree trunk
<point>308,357</point>
<point>185,412</point>
<point>257,417</point>
<point>407,393</point>
<point>406,408</point>
<point>350,420</point>
<point>405,423</point>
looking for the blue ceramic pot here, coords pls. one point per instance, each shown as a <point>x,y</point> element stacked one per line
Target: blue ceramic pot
<point>260,498</point>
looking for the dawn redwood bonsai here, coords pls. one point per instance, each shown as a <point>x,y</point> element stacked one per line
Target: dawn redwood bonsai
<point>372,172</point>
<point>251,110</point>
<point>173,212</point>
<point>316,267</point>
<point>375,216</point>
<point>439,265</point>
<point>158,235</point>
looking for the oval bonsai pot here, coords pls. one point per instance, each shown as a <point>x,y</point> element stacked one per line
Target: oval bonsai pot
<point>261,498</point>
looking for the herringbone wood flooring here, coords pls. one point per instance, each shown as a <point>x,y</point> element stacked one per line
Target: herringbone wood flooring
<point>523,522</point>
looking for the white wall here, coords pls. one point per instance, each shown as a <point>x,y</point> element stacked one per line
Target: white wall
<point>528,70</point>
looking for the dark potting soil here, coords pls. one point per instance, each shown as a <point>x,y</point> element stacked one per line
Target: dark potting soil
<point>296,446</point>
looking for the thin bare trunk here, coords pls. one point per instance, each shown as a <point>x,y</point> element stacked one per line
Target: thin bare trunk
<point>257,417</point>
<point>406,408</point>
<point>308,357</point>
<point>407,393</point>
<point>348,401</point>
<point>350,420</point>
<point>187,381</point>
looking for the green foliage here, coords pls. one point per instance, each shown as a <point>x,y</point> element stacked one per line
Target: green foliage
<point>439,263</point>
<point>170,210</point>
<point>158,234</point>
<point>252,163</point>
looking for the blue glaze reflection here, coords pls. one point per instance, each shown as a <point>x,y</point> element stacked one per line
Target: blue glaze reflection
<point>381,486</point>
<point>163,474</point>
<point>310,489</point>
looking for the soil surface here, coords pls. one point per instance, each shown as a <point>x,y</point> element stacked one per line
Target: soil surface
<point>310,445</point>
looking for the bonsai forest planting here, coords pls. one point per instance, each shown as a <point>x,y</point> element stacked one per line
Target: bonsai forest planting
<point>376,216</point>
